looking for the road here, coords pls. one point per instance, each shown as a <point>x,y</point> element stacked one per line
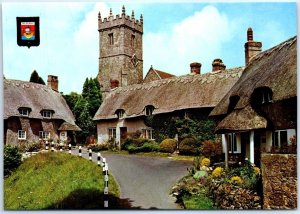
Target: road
<point>145,182</point>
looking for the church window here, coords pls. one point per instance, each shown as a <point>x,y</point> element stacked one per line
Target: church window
<point>111,38</point>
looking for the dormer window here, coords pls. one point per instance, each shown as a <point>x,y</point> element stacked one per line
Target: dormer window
<point>149,110</point>
<point>233,100</point>
<point>46,113</point>
<point>261,95</point>
<point>24,111</point>
<point>120,113</point>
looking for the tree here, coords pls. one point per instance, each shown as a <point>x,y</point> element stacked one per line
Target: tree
<point>36,78</point>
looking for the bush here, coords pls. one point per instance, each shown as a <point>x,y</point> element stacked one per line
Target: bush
<point>205,162</point>
<point>236,180</point>
<point>212,150</point>
<point>149,146</point>
<point>217,172</point>
<point>137,142</point>
<point>189,146</point>
<point>168,145</point>
<point>12,159</point>
<point>98,147</point>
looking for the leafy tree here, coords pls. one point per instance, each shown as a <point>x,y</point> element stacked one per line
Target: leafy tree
<point>12,159</point>
<point>36,78</point>
<point>72,99</point>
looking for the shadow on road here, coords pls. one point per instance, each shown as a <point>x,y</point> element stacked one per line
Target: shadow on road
<point>90,199</point>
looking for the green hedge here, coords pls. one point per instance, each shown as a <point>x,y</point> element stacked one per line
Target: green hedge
<point>12,159</point>
<point>189,146</point>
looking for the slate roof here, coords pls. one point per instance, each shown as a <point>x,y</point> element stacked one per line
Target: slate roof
<point>168,95</point>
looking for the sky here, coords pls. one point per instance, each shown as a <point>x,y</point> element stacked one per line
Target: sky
<point>175,34</point>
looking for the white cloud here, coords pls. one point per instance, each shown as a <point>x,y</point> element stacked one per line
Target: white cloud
<point>196,38</point>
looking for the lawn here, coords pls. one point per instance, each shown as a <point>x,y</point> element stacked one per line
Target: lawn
<point>57,181</point>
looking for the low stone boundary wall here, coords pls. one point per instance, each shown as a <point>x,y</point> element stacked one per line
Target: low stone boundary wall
<point>279,177</point>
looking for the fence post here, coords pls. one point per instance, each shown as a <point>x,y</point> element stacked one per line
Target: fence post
<point>98,159</point>
<point>105,185</point>
<point>90,154</point>
<point>52,146</point>
<point>80,155</point>
<point>70,148</point>
<point>47,145</point>
<point>60,147</point>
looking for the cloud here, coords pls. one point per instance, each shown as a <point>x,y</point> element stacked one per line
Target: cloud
<point>196,38</point>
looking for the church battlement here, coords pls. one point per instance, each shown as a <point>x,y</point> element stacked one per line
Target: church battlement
<point>120,20</point>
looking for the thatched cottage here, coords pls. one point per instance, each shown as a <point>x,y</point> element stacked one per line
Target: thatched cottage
<point>124,109</point>
<point>260,111</point>
<point>34,112</point>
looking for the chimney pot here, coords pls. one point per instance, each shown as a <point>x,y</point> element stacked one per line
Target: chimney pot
<point>52,82</point>
<point>217,65</point>
<point>195,68</point>
<point>252,48</point>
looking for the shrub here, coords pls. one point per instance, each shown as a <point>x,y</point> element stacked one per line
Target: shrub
<point>256,170</point>
<point>149,146</point>
<point>211,149</point>
<point>98,147</point>
<point>189,146</point>
<point>205,162</point>
<point>12,159</point>
<point>237,180</point>
<point>168,145</point>
<point>138,142</point>
<point>217,172</point>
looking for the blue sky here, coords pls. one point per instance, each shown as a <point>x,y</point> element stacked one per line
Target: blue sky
<point>175,34</point>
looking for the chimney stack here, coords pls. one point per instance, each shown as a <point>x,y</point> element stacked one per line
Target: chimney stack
<point>252,48</point>
<point>114,84</point>
<point>217,65</point>
<point>195,68</point>
<point>53,82</point>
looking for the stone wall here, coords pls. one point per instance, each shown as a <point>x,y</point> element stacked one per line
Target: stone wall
<point>279,176</point>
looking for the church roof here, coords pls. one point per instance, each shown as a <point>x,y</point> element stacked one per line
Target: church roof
<point>36,97</point>
<point>168,95</point>
<point>276,69</point>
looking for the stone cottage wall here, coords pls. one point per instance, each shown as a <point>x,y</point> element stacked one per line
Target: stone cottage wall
<point>279,177</point>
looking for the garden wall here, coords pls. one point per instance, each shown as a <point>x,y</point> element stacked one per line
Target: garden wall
<point>279,177</point>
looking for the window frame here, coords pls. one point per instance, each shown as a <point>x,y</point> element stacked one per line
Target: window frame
<point>21,134</point>
<point>112,133</point>
<point>276,138</point>
<point>149,110</point>
<point>45,113</point>
<point>148,133</point>
<point>232,143</point>
<point>44,135</point>
<point>111,38</point>
<point>22,110</point>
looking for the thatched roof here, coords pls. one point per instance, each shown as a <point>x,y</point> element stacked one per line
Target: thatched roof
<point>36,97</point>
<point>168,95</point>
<point>65,126</point>
<point>276,69</point>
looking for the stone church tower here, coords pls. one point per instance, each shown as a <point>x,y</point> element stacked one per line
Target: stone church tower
<point>121,50</point>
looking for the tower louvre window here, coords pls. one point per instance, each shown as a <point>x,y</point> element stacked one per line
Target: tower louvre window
<point>111,38</point>
<point>132,40</point>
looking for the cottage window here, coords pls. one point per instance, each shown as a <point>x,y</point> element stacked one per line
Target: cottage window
<point>44,135</point>
<point>21,135</point>
<point>261,95</point>
<point>149,110</point>
<point>147,133</point>
<point>24,111</point>
<point>111,38</point>
<point>280,138</point>
<point>232,143</point>
<point>112,133</point>
<point>233,100</point>
<point>46,114</point>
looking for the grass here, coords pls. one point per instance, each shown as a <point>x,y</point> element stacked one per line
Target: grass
<point>198,202</point>
<point>152,154</point>
<point>56,181</point>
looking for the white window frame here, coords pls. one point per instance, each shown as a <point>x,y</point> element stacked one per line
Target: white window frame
<point>44,135</point>
<point>148,133</point>
<point>232,143</point>
<point>24,112</point>
<point>21,135</point>
<point>266,96</point>
<point>121,114</point>
<point>46,114</point>
<point>112,133</point>
<point>278,133</point>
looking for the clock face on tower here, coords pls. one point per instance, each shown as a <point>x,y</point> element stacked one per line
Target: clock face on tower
<point>134,60</point>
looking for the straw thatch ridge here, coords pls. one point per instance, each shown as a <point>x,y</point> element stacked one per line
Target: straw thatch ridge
<point>168,95</point>
<point>276,69</point>
<point>36,97</point>
<point>65,126</point>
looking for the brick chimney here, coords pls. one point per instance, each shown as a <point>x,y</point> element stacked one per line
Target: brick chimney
<point>217,65</point>
<point>195,68</point>
<point>252,48</point>
<point>53,82</point>
<point>114,84</point>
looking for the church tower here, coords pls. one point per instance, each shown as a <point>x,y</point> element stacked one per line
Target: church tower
<point>121,50</point>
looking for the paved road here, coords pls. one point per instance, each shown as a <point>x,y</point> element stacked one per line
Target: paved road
<point>145,182</point>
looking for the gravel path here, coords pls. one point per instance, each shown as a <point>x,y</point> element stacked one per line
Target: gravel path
<point>145,182</point>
